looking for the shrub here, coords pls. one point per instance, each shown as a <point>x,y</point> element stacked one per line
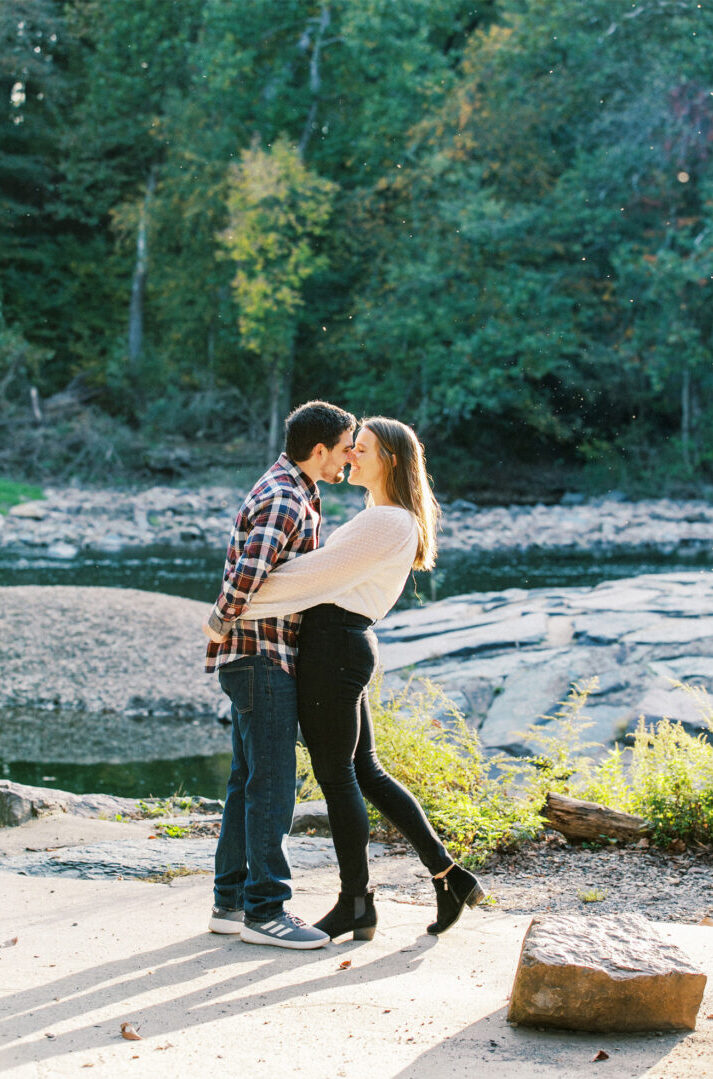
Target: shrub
<point>479,806</point>
<point>424,742</point>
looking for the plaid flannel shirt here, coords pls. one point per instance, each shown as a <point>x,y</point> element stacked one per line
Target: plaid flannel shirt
<point>278,520</point>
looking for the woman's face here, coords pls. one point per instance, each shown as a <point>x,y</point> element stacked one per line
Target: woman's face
<point>367,468</point>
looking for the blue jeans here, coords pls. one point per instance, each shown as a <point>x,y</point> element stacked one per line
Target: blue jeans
<point>252,871</point>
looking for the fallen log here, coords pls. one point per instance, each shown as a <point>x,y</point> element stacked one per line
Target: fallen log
<point>589,820</point>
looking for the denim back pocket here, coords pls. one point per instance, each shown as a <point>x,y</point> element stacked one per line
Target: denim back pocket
<point>237,682</point>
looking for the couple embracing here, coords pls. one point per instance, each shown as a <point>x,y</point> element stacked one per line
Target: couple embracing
<point>290,636</point>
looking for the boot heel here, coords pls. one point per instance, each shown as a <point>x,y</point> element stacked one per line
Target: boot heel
<point>475,897</point>
<point>366,933</point>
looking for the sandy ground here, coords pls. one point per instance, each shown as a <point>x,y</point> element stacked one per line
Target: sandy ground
<point>91,955</point>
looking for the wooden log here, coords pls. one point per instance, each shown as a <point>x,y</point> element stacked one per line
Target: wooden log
<point>589,820</point>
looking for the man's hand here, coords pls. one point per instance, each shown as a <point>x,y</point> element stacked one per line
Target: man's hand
<point>212,635</point>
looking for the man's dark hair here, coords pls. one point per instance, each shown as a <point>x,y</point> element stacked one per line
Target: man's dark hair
<point>313,422</point>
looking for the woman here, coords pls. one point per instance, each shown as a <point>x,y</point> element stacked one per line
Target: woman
<point>343,588</point>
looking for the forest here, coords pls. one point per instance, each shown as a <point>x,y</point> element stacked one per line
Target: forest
<point>493,221</point>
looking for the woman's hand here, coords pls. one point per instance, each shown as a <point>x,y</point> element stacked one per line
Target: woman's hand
<point>212,635</point>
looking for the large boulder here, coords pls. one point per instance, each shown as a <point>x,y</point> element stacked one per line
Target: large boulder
<point>603,973</point>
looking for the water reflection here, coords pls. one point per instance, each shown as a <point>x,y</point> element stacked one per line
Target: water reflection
<point>130,779</point>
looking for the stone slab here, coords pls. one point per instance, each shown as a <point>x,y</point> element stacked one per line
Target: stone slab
<point>604,973</point>
<point>674,704</point>
<point>668,630</point>
<point>509,633</point>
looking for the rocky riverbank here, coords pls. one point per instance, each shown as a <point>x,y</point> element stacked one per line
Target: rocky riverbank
<point>69,519</point>
<point>94,674</point>
<point>100,837</point>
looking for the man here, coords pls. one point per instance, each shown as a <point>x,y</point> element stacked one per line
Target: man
<point>255,660</point>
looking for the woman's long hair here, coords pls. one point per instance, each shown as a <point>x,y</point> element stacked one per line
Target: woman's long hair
<point>407,482</point>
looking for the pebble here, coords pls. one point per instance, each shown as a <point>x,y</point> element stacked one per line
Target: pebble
<point>110,520</point>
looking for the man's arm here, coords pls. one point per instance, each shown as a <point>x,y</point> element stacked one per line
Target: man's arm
<point>273,523</point>
<point>348,559</point>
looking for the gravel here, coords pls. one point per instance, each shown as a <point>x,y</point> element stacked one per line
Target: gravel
<point>553,876</point>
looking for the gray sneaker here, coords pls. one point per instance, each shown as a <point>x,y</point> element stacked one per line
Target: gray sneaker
<point>284,931</point>
<point>223,920</point>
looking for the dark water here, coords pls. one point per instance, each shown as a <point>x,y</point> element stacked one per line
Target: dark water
<point>132,779</point>
<point>196,572</point>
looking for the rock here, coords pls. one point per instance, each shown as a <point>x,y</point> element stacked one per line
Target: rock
<point>527,697</point>
<point>20,803</point>
<point>509,632</point>
<point>63,551</point>
<point>111,542</point>
<point>16,807</point>
<point>310,817</point>
<point>665,630</point>
<point>603,974</point>
<point>29,511</point>
<point>672,703</point>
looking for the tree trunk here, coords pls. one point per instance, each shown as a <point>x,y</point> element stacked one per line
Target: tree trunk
<point>273,433</point>
<point>686,414</point>
<point>279,402</point>
<point>588,820</point>
<point>315,78</point>
<point>138,284</point>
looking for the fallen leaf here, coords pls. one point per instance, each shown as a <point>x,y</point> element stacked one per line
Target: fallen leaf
<point>128,1032</point>
<point>87,1065</point>
<point>709,1016</point>
<point>707,920</point>
<point>601,1055</point>
<point>168,1045</point>
<point>345,964</point>
<point>9,943</point>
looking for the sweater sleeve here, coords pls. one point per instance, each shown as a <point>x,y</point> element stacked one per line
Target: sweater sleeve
<point>349,557</point>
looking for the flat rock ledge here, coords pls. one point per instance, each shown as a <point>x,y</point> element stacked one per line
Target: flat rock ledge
<point>604,974</point>
<point>20,803</point>
<point>507,659</point>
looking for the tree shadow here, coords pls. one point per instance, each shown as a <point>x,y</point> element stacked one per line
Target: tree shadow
<point>37,1010</point>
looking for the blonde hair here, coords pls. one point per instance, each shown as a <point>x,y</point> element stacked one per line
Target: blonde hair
<point>406,481</point>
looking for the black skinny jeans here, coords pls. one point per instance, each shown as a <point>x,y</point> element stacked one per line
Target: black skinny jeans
<point>337,657</point>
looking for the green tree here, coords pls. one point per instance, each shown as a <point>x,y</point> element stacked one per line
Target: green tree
<point>278,209</point>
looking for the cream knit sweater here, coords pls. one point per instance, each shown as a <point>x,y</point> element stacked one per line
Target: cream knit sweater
<point>362,567</point>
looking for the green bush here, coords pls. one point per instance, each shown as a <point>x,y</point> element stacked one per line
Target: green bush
<point>665,777</point>
<point>424,742</point>
<point>672,782</point>
<point>11,493</point>
<point>480,806</point>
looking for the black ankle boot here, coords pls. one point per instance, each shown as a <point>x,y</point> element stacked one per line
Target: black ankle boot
<point>353,914</point>
<point>453,892</point>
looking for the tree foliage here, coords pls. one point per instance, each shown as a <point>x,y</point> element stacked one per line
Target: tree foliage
<point>494,222</point>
